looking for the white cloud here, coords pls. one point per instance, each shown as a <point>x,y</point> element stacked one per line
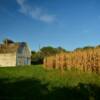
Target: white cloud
<point>35,12</point>
<point>21,2</point>
<point>47,18</point>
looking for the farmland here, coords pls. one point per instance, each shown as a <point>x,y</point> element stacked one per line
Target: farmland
<point>83,59</point>
<point>35,83</point>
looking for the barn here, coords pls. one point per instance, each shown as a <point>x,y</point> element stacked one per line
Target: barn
<point>14,53</point>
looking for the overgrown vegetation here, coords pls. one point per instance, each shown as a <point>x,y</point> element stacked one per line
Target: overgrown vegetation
<point>37,57</point>
<point>86,59</point>
<point>35,83</point>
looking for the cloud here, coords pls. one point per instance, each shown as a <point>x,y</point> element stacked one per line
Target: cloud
<point>21,2</point>
<point>47,18</point>
<point>35,12</point>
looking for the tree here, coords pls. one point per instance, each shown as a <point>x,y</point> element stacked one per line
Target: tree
<point>60,49</point>
<point>47,51</point>
<point>84,48</point>
<point>88,47</point>
<point>36,58</point>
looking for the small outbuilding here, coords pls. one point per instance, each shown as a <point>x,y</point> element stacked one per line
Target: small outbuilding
<point>14,53</point>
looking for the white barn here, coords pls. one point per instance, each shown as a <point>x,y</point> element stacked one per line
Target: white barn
<point>14,54</point>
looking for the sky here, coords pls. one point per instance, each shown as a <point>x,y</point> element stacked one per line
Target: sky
<point>67,23</point>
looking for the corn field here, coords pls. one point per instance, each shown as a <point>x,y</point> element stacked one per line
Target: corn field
<point>84,60</point>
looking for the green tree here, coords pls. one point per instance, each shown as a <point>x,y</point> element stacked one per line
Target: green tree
<point>47,51</point>
<point>36,58</point>
<point>88,47</point>
<point>60,49</point>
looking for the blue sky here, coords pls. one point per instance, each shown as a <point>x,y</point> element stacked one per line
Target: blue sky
<point>66,23</point>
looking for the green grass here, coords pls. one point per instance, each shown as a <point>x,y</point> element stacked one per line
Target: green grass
<point>35,83</point>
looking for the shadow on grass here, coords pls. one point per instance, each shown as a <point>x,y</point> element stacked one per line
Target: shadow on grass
<point>32,89</point>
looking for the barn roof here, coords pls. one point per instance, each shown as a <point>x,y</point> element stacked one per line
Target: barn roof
<point>12,47</point>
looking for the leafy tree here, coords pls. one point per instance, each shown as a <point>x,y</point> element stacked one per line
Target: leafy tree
<point>88,47</point>
<point>47,51</point>
<point>84,48</point>
<point>60,49</point>
<point>36,58</point>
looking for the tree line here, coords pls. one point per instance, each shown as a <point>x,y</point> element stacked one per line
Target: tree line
<point>38,56</point>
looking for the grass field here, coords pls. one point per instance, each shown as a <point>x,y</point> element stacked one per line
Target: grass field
<point>35,83</point>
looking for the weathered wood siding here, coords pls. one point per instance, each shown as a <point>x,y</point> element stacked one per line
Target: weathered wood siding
<point>8,59</point>
<point>23,57</point>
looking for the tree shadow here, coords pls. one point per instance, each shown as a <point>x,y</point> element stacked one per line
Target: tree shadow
<point>28,89</point>
<point>33,89</point>
<point>79,92</point>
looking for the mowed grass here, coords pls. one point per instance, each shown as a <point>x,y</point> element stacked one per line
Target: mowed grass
<point>36,83</point>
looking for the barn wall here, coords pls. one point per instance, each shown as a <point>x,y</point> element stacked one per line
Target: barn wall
<point>20,60</point>
<point>23,58</point>
<point>8,59</point>
<point>27,55</point>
